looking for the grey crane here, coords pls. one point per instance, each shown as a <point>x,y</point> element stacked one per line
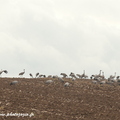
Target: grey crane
<point>49,81</point>
<point>42,76</point>
<point>31,75</point>
<point>80,76</point>
<point>5,71</point>
<point>64,75</point>
<point>13,82</point>
<point>72,75</point>
<point>66,84</point>
<point>60,79</point>
<point>37,74</point>
<point>113,76</point>
<point>21,74</point>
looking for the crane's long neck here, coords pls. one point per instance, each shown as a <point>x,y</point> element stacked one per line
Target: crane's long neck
<point>100,72</point>
<point>84,72</point>
<point>103,73</point>
<point>115,74</point>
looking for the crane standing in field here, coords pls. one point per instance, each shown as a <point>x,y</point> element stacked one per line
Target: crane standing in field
<point>13,82</point>
<point>98,76</point>
<point>21,74</point>
<point>83,75</point>
<point>102,76</point>
<point>37,74</point>
<point>5,71</point>
<point>113,76</point>
<point>72,75</point>
<point>64,75</point>
<point>79,76</point>
<point>31,75</point>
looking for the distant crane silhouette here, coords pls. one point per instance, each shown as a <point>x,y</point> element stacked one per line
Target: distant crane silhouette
<point>1,72</point>
<point>21,74</point>
<point>49,81</point>
<point>102,76</point>
<point>61,79</point>
<point>83,75</point>
<point>66,84</point>
<point>37,74</point>
<point>13,82</point>
<point>5,71</point>
<point>113,76</point>
<point>31,75</point>
<point>43,76</point>
<point>80,76</point>
<point>64,75</point>
<point>72,75</point>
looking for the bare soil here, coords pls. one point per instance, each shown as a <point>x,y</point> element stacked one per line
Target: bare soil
<point>82,100</point>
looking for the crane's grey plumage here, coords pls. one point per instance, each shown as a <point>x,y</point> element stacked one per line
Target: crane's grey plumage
<point>73,79</point>
<point>49,81</point>
<point>80,76</point>
<point>37,74</point>
<point>49,76</point>
<point>102,76</point>
<point>31,75</point>
<point>95,82</point>
<point>113,76</point>
<point>21,74</point>
<point>60,79</point>
<point>83,74</point>
<point>72,75</point>
<point>54,76</point>
<point>64,75</point>
<point>96,76</point>
<point>102,82</point>
<point>42,76</point>
<point>13,82</point>
<point>5,71</point>
<point>66,84</point>
<point>1,72</point>
<point>117,77</point>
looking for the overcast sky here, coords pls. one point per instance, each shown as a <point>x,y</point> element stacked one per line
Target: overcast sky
<point>54,36</point>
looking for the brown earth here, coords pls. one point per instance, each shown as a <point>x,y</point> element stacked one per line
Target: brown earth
<point>82,100</point>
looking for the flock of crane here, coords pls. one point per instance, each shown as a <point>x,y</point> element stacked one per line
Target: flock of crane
<point>97,78</point>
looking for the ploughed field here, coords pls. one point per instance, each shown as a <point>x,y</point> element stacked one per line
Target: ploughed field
<point>82,100</point>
